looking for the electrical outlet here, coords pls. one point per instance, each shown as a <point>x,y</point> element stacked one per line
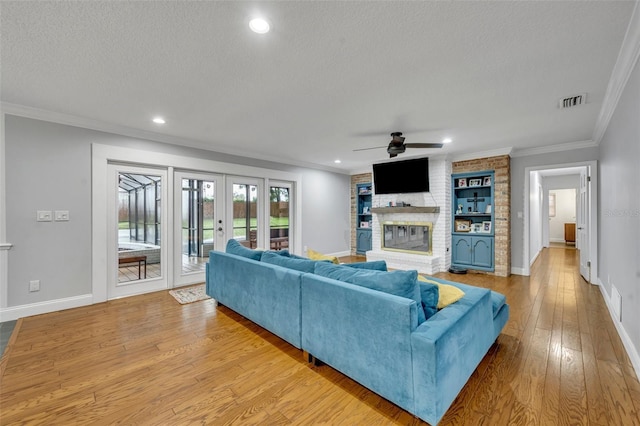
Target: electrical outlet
<point>34,285</point>
<point>305,249</point>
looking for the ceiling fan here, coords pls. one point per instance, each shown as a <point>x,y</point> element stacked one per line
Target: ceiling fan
<point>397,145</point>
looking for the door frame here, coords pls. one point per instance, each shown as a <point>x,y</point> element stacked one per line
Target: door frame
<point>593,213</point>
<point>180,279</point>
<point>102,154</point>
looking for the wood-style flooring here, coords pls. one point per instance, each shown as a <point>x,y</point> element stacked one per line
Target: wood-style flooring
<point>148,360</point>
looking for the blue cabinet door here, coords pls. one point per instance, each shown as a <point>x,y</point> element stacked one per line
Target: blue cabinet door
<point>363,240</point>
<point>461,253</point>
<point>482,251</point>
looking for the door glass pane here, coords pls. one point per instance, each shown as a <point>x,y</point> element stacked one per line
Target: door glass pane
<point>279,217</point>
<point>139,220</point>
<point>245,214</point>
<point>198,223</point>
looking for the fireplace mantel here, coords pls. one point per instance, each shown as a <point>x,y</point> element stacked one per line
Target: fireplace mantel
<point>409,209</point>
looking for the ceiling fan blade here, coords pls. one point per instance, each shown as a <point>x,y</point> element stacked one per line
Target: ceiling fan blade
<point>373,147</point>
<point>423,145</point>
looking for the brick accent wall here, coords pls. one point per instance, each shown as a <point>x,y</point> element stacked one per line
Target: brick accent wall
<point>502,205</point>
<point>356,179</point>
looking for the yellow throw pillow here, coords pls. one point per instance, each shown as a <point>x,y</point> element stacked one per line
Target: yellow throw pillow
<point>314,255</point>
<point>448,294</point>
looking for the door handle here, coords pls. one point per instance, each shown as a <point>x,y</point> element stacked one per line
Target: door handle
<point>220,229</point>
<point>580,228</point>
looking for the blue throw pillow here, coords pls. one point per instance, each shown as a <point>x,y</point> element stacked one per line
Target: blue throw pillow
<point>284,253</point>
<point>234,247</point>
<point>430,294</point>
<point>378,265</point>
<point>399,283</point>
<point>299,264</point>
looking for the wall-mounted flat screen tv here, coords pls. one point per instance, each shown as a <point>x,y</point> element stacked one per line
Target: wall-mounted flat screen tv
<point>400,177</point>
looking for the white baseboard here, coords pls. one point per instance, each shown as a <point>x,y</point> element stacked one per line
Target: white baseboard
<point>626,341</point>
<point>556,240</point>
<point>535,258</point>
<point>517,271</point>
<point>340,254</point>
<point>15,312</point>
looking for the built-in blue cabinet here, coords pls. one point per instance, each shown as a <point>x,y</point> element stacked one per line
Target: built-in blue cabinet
<point>473,252</point>
<point>363,217</point>
<point>472,233</point>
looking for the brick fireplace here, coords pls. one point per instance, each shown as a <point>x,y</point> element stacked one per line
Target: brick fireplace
<point>440,196</point>
<point>433,208</point>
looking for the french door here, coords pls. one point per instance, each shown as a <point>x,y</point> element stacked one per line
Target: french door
<point>137,247</point>
<point>198,224</point>
<point>245,211</point>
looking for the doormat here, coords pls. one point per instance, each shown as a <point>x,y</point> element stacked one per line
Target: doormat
<point>190,294</point>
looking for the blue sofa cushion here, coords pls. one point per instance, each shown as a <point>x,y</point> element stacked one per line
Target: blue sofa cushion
<point>297,263</point>
<point>378,265</point>
<point>399,283</point>
<point>234,247</point>
<point>430,294</point>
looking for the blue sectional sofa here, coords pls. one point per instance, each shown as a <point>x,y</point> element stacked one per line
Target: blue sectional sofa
<point>370,324</point>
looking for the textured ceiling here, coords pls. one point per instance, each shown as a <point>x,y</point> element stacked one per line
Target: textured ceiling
<point>331,76</point>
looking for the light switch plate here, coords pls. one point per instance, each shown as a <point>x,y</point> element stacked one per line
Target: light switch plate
<point>62,215</point>
<point>44,216</point>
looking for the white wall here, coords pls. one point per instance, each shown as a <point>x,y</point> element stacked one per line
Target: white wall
<point>619,212</point>
<point>48,167</point>
<point>565,213</point>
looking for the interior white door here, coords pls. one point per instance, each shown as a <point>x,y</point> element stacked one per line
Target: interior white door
<point>198,224</point>
<point>137,238</point>
<point>582,232</point>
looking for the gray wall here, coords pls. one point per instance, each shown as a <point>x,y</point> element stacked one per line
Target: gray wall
<point>518,191</point>
<point>48,167</point>
<point>619,209</point>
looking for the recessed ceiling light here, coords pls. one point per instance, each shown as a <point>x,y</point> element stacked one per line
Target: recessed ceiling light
<point>447,140</point>
<point>259,25</point>
<point>337,161</point>
<point>158,120</point>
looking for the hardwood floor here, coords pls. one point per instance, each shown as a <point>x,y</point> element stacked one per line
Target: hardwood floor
<point>149,360</point>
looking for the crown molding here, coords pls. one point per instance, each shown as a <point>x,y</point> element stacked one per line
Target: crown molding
<point>101,126</point>
<point>569,146</point>
<point>627,59</point>
<point>464,156</point>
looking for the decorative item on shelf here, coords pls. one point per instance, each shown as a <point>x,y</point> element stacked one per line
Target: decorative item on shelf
<point>365,210</point>
<point>487,209</point>
<point>468,209</point>
<point>462,225</point>
<point>475,182</point>
<point>486,226</point>
<point>364,224</point>
<point>486,181</point>
<point>459,211</point>
<point>476,227</point>
<point>462,183</point>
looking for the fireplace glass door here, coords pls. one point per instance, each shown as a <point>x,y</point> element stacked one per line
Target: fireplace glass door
<point>407,237</point>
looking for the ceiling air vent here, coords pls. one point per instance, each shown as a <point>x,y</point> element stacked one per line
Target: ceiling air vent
<point>573,101</point>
